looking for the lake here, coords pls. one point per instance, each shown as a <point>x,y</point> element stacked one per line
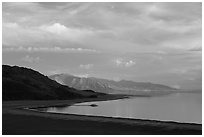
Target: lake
<point>179,107</point>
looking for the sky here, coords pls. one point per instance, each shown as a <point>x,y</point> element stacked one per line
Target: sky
<point>143,42</point>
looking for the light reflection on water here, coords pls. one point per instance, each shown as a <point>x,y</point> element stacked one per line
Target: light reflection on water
<point>180,107</point>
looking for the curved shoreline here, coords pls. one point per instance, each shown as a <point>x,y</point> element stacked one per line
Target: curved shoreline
<point>13,110</point>
<point>37,109</point>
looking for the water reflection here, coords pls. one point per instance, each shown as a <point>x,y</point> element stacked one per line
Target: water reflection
<point>184,107</point>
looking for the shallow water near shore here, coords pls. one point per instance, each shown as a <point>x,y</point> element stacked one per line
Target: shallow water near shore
<point>178,107</point>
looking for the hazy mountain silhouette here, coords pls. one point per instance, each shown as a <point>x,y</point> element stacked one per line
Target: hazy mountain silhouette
<point>21,83</point>
<point>112,87</point>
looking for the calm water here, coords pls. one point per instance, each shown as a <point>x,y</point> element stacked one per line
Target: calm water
<point>180,107</point>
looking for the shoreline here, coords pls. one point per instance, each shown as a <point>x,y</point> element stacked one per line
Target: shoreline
<point>13,110</point>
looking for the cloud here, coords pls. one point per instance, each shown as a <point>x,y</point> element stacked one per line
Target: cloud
<point>176,86</point>
<point>55,28</point>
<point>129,63</point>
<point>152,25</point>
<point>196,49</point>
<point>82,75</point>
<point>66,32</point>
<point>179,71</point>
<point>122,63</point>
<point>86,66</point>
<point>11,25</point>
<point>48,49</point>
<point>30,59</point>
<point>118,62</point>
<point>46,34</point>
<point>125,30</point>
<point>187,71</point>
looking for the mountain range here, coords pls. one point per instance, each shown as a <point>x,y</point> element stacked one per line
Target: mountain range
<point>112,87</point>
<point>19,83</point>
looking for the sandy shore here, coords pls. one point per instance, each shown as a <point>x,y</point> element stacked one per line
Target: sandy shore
<point>16,120</point>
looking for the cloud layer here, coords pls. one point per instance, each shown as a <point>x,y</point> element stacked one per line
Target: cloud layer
<point>30,59</point>
<point>121,40</point>
<point>139,25</point>
<point>122,63</point>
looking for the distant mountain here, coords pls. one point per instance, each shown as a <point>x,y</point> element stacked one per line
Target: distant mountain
<point>20,83</point>
<point>112,87</point>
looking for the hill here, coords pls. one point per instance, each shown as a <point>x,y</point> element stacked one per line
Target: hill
<point>112,87</point>
<point>19,83</point>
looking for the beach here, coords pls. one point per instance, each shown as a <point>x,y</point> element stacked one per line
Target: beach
<point>20,121</point>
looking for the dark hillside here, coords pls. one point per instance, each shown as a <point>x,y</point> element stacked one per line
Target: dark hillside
<point>21,83</point>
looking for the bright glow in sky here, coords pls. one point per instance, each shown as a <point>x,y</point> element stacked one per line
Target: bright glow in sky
<point>154,42</point>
